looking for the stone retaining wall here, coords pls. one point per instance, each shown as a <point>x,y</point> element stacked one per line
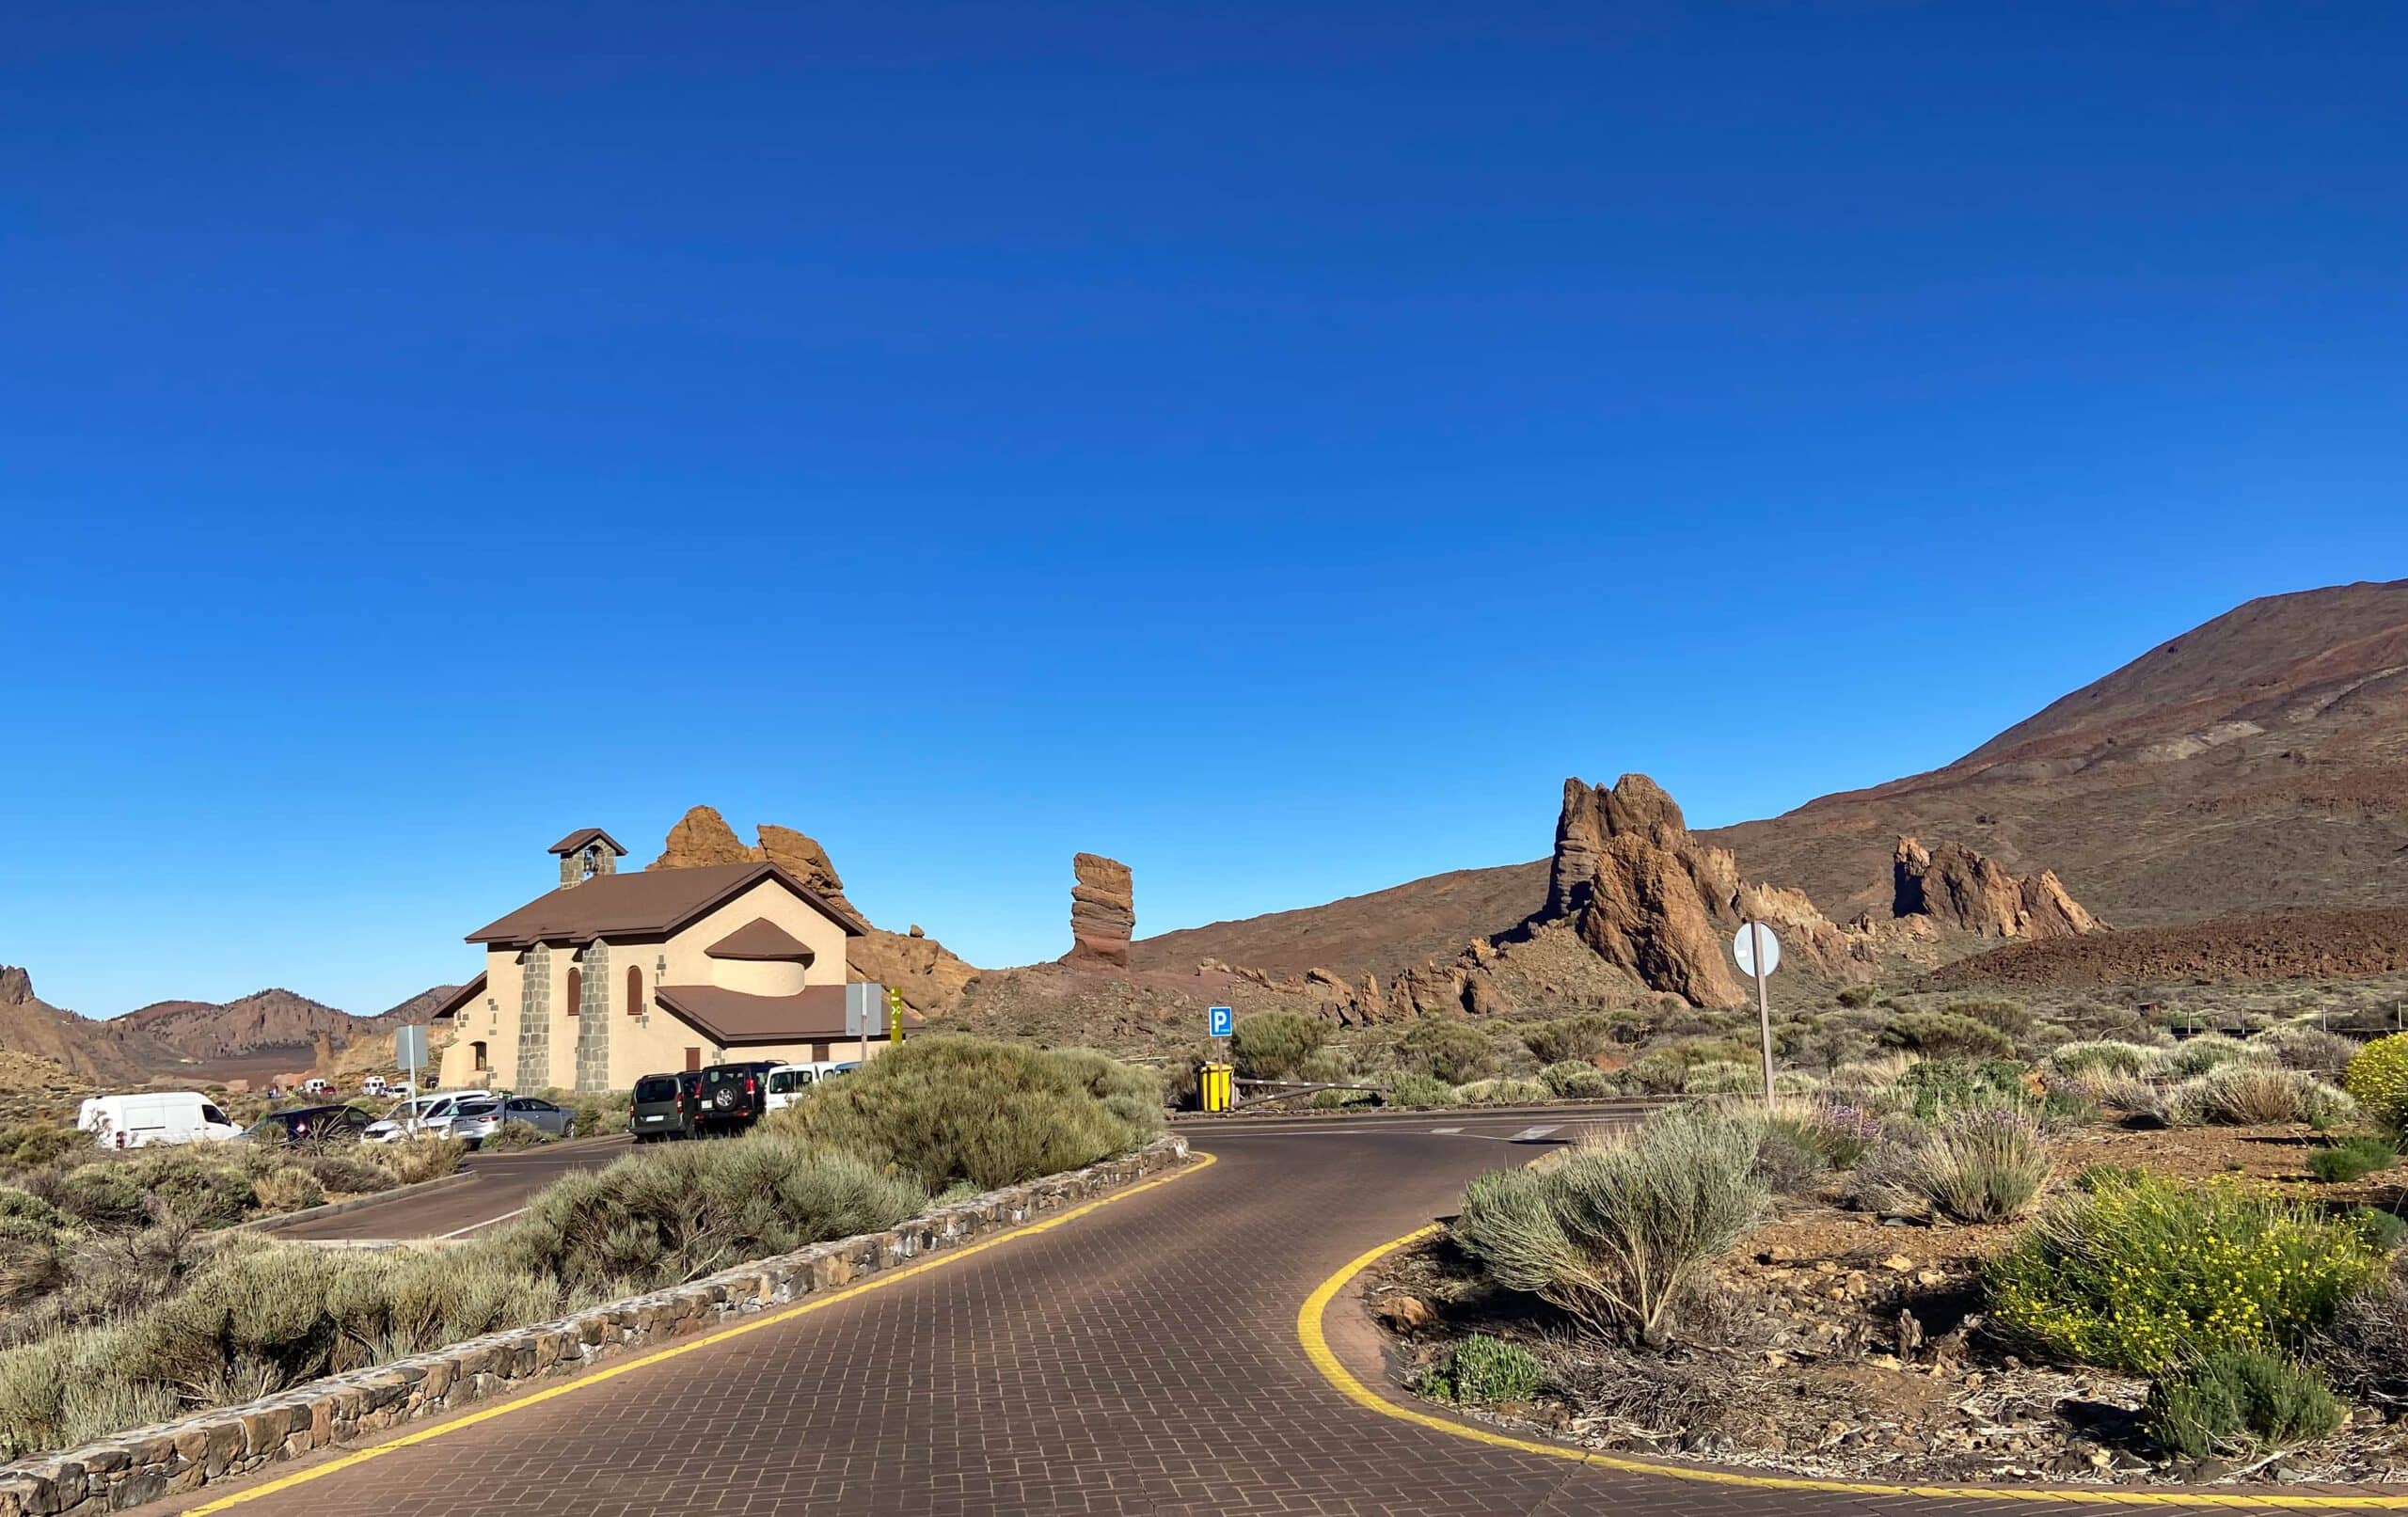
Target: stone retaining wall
<point>179,1457</point>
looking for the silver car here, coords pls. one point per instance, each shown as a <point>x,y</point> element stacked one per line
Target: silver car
<point>477,1120</point>
<point>420,1113</point>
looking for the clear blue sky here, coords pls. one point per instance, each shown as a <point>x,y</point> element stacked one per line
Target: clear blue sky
<point>1271,445</point>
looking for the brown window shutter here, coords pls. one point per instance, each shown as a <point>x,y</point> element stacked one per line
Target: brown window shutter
<point>634,991</point>
<point>576,988</point>
<point>819,1053</point>
<point>693,1060</point>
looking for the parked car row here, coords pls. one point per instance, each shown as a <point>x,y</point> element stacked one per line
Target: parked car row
<point>724,1098</point>
<point>149,1117</point>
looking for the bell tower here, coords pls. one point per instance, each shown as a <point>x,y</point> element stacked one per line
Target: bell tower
<point>585,853</point>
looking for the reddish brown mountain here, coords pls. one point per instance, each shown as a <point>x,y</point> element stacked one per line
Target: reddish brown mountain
<point>83,1047</point>
<point>2257,763</point>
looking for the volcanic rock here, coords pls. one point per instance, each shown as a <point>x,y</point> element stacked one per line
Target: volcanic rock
<point>1104,912</point>
<point>805,860</point>
<point>16,986</point>
<point>1957,886</point>
<point>700,839</point>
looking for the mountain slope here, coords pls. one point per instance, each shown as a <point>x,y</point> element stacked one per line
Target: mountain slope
<point>85,1049</point>
<point>2257,763</point>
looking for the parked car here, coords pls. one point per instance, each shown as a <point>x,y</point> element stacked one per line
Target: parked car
<point>418,1114</point>
<point>310,1124</point>
<point>317,1087</point>
<point>732,1095</point>
<point>379,1085</point>
<point>789,1082</point>
<point>475,1120</point>
<point>659,1107</point>
<point>155,1116</point>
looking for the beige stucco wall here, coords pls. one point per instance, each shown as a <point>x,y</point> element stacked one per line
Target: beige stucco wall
<point>657,1040</point>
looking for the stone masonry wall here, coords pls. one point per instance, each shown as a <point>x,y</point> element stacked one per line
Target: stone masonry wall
<point>593,1019</point>
<point>177,1457</point>
<point>534,1020</point>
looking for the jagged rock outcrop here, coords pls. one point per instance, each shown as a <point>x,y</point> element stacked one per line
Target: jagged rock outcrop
<point>16,986</point>
<point>1104,912</point>
<point>1955,887</point>
<point>932,978</point>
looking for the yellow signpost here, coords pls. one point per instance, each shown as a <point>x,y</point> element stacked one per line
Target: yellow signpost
<point>894,1013</point>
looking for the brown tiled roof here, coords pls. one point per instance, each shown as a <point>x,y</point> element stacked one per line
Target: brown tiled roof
<point>584,835</point>
<point>732,1018</point>
<point>650,903</point>
<point>453,1003</point>
<point>762,939</point>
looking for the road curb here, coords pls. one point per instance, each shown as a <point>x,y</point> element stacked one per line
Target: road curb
<point>1314,1339</point>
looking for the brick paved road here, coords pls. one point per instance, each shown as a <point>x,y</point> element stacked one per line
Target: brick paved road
<point>1140,1360</point>
<point>504,1182</point>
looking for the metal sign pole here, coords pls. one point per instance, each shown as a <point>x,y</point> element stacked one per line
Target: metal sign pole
<point>1763,1003</point>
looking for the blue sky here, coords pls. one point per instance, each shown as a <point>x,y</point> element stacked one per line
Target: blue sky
<point>1270,445</point>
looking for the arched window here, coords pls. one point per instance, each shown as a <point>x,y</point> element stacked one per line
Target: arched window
<point>576,988</point>
<point>634,991</point>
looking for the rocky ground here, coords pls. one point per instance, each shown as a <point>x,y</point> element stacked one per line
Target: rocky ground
<point>1842,1344</point>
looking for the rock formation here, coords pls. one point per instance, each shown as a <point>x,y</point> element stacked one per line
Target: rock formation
<point>1104,912</point>
<point>930,978</point>
<point>1955,887</point>
<point>16,986</point>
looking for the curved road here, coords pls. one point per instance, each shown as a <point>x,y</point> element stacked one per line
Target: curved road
<point>1142,1359</point>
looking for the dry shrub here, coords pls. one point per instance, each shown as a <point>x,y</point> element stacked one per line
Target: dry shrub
<point>2250,1094</point>
<point>289,1189</point>
<point>415,1160</point>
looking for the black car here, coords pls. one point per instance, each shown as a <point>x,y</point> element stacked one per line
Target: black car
<point>663,1106</point>
<point>310,1124</point>
<point>734,1095</point>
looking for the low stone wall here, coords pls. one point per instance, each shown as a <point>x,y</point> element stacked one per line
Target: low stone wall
<point>149,1463</point>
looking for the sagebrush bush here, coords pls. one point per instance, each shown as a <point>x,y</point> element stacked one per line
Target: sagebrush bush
<point>1947,1034</point>
<point>2378,1080</point>
<point>1503,1091</point>
<point>667,1216</point>
<point>1485,1371</point>
<point>2136,1271</point>
<point>1270,1045</point>
<point>1933,1086</point>
<point>2382,1231</point>
<point>1838,1134</point>
<point>288,1189</point>
<point>414,1159</point>
<point>951,1108</point>
<point>2353,1158</point>
<point>2193,1057</point>
<point>1571,1039</point>
<point>2306,1046</point>
<point>1723,1077</point>
<point>2240,1400</point>
<point>1972,1164</point>
<point>33,1144</point>
<point>1447,1049</point>
<point>1418,1092</point>
<point>1577,1081</point>
<point>2248,1095</point>
<point>1617,1233</point>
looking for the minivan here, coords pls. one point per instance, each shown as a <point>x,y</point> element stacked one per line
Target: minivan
<point>790,1083</point>
<point>155,1116</point>
<point>660,1107</point>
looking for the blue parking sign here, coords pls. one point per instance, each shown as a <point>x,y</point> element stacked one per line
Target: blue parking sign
<point>1222,1020</point>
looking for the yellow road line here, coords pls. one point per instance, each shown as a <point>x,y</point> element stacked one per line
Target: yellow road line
<point>1317,1348</point>
<point>815,1301</point>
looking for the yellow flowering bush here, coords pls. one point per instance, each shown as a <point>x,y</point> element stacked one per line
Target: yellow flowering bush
<point>2378,1077</point>
<point>2139,1272</point>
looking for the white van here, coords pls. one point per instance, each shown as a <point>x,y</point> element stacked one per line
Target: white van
<point>155,1116</point>
<point>789,1082</point>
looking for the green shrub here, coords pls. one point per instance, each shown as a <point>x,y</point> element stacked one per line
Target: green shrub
<point>1448,1050</point>
<point>197,1184</point>
<point>288,1189</point>
<point>952,1108</point>
<point>1855,997</point>
<point>103,1192</point>
<point>1131,1092</point>
<point>2377,1079</point>
<point>2010,1016</point>
<point>1577,1081</point>
<point>1503,1091</point>
<point>1837,1133</point>
<point>2381,1231</point>
<point>1616,1234</point>
<point>1937,1085</point>
<point>1271,1044</point>
<point>2139,1272</point>
<point>1721,1077</point>
<point>1330,1100</point>
<point>1571,1039</point>
<point>1972,1164</point>
<point>2249,1095</point>
<point>2351,1159</point>
<point>1785,1162</point>
<point>513,1135</point>
<point>1657,1073</point>
<point>1485,1371</point>
<point>2196,1056</point>
<point>2240,1400</point>
<point>1418,1092</point>
<point>1947,1034</point>
<point>33,1144</point>
<point>669,1215</point>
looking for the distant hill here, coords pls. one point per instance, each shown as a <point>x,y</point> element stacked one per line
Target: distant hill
<point>275,1018</point>
<point>85,1049</point>
<point>2257,763</point>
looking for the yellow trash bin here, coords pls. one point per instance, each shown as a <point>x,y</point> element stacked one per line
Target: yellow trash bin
<point>1216,1086</point>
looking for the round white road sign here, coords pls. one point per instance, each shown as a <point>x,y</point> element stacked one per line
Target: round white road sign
<point>1743,949</point>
